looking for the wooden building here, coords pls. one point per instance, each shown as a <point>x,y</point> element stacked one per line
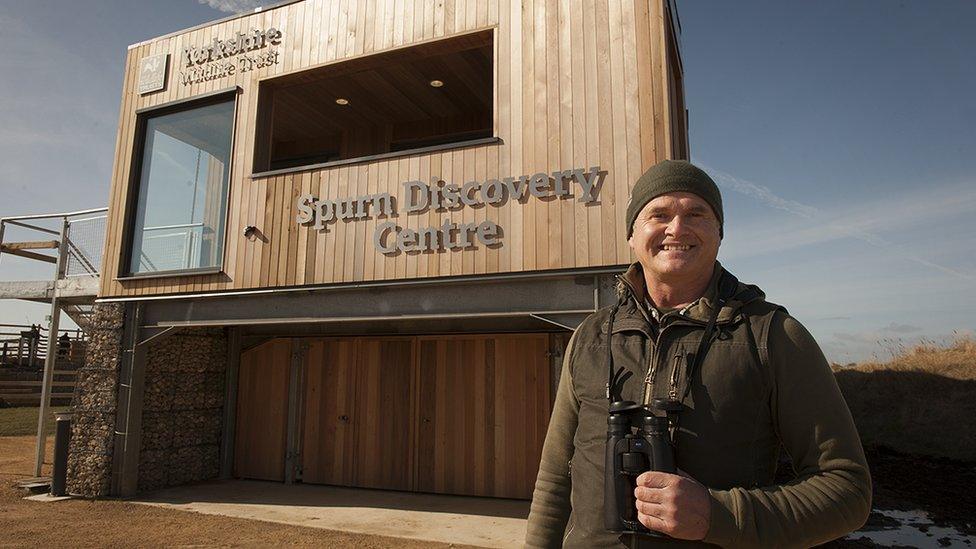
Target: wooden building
<point>395,212</point>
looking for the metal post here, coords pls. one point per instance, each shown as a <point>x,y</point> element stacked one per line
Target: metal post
<point>128,428</point>
<point>230,402</point>
<point>3,225</point>
<point>291,438</point>
<point>51,358</point>
<point>62,437</point>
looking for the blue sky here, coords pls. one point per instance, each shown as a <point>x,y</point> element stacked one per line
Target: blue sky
<point>842,134</point>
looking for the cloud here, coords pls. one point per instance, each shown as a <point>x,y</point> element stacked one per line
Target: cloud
<point>231,6</point>
<point>857,337</point>
<point>855,222</point>
<point>900,328</point>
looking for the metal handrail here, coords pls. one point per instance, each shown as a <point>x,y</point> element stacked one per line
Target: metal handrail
<point>54,215</point>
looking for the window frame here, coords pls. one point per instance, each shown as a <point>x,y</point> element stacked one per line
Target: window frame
<point>143,115</point>
<point>263,118</point>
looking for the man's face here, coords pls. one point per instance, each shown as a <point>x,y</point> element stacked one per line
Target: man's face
<point>676,236</point>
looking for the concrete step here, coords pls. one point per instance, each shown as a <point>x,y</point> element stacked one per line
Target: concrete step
<point>36,485</point>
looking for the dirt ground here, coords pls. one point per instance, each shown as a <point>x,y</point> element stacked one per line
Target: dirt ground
<point>82,523</point>
<point>942,487</point>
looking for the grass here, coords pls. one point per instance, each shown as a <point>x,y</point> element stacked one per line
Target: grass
<point>922,401</point>
<point>23,420</point>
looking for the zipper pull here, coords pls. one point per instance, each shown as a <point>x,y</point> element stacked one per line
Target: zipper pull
<point>673,391</point>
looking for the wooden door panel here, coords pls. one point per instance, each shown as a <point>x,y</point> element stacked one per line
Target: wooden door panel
<point>262,411</point>
<point>359,413</point>
<point>456,439</point>
<point>327,437</point>
<point>484,408</point>
<point>384,419</point>
<point>522,409</point>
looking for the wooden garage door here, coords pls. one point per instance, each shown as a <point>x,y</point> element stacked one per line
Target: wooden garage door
<point>359,424</point>
<point>446,414</point>
<point>262,411</point>
<point>484,410</point>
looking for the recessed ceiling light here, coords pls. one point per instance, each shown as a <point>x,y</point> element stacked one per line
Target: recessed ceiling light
<point>436,83</point>
<point>342,101</point>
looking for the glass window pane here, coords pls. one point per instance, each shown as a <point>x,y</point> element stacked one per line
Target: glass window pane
<point>182,194</point>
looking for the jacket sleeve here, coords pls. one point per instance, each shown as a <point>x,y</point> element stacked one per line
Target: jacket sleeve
<point>831,495</point>
<point>550,507</point>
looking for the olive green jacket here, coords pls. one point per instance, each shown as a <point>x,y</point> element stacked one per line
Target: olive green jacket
<point>764,383</point>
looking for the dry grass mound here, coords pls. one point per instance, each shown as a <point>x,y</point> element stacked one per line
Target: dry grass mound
<point>923,401</point>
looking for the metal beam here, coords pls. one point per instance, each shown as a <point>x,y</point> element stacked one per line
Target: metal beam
<point>30,255</point>
<point>73,289</point>
<point>568,321</point>
<point>29,226</point>
<point>544,297</point>
<point>27,289</point>
<point>601,274</point>
<point>52,355</point>
<point>31,245</point>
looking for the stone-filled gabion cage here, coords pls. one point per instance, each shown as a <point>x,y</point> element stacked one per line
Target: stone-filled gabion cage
<point>182,407</point>
<point>95,404</point>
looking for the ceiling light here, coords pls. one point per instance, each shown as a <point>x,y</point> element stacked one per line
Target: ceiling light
<point>342,101</point>
<point>436,83</point>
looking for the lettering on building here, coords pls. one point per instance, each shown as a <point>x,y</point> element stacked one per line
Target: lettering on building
<point>242,53</point>
<point>419,197</point>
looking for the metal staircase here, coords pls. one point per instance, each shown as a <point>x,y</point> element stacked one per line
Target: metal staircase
<point>75,253</point>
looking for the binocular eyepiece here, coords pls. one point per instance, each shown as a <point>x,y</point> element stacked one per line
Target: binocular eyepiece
<point>638,440</point>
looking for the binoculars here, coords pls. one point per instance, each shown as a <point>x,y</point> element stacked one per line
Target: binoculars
<point>638,440</point>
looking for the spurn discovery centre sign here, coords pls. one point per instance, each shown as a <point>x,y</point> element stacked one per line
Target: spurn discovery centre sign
<point>419,197</point>
<point>225,57</point>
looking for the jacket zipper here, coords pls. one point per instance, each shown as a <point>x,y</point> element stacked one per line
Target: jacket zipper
<point>653,364</point>
<point>675,370</point>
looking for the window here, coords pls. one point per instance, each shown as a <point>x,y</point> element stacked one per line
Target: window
<point>429,95</point>
<point>179,210</point>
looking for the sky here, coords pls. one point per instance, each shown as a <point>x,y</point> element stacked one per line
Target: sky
<point>841,133</point>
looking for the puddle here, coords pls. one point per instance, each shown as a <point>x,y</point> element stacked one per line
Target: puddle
<point>910,529</point>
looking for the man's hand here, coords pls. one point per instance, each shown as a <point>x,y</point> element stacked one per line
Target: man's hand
<point>674,505</point>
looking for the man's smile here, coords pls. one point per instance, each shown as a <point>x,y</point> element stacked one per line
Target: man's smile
<point>675,247</point>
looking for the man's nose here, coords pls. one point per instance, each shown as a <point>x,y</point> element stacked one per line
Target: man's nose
<point>676,226</point>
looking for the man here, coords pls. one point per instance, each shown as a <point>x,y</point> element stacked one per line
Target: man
<point>763,383</point>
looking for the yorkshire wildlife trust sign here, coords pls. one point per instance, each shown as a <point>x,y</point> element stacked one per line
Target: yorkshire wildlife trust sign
<point>226,57</point>
<point>419,197</point>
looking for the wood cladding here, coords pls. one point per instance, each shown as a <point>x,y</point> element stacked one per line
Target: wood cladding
<point>443,414</point>
<point>262,411</point>
<point>576,84</point>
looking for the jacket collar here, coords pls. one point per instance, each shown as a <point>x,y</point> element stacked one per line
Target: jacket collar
<point>631,285</point>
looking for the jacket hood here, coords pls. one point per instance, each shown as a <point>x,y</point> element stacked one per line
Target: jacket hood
<point>632,287</point>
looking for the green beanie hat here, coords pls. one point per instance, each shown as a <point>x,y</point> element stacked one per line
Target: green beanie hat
<point>671,176</point>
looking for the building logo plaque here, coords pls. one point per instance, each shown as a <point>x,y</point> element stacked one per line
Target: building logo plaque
<point>152,73</point>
